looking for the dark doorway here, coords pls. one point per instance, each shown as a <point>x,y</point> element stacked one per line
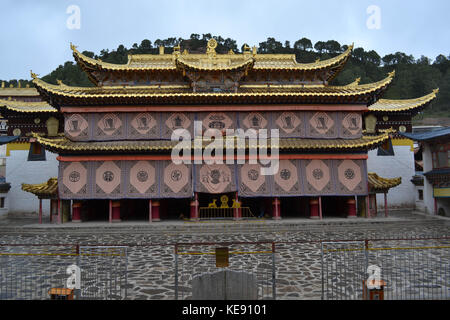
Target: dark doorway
<point>95,210</point>
<point>334,207</point>
<point>259,207</point>
<point>175,209</point>
<point>294,207</point>
<point>134,209</point>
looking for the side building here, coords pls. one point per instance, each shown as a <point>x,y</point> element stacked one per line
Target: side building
<point>25,160</point>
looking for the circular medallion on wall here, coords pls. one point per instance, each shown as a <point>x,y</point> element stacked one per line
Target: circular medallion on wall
<point>37,120</point>
<point>385,118</point>
<point>402,129</point>
<point>17,132</point>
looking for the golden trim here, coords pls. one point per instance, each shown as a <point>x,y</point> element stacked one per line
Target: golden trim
<point>390,105</point>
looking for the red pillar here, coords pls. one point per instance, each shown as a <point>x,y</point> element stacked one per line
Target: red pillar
<point>110,211</point>
<point>238,209</point>
<point>40,211</point>
<point>314,208</point>
<point>320,208</point>
<point>76,211</point>
<point>150,210</point>
<point>155,211</point>
<point>194,211</point>
<point>351,208</point>
<point>276,209</point>
<point>116,211</point>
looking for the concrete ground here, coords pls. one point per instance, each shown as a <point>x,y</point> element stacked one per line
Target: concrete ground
<point>297,258</point>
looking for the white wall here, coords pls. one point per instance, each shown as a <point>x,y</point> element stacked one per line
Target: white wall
<point>18,171</point>
<point>400,165</point>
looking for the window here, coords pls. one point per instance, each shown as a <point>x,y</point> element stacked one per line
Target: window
<point>36,153</point>
<point>420,194</point>
<point>2,202</point>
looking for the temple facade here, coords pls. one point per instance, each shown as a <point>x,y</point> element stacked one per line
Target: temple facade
<point>116,148</point>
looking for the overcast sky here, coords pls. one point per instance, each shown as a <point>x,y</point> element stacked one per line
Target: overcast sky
<point>35,33</point>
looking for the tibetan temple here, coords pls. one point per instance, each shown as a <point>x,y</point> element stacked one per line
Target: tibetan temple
<point>115,145</point>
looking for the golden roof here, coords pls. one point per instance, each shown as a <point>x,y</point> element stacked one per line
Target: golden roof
<point>27,107</point>
<point>62,144</point>
<point>211,61</point>
<point>382,184</point>
<point>184,94</point>
<point>47,189</point>
<point>18,92</point>
<point>387,105</point>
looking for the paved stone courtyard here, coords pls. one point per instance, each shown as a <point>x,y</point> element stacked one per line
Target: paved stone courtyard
<point>151,247</point>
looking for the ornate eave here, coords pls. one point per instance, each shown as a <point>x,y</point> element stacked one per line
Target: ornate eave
<point>378,184</point>
<point>411,106</point>
<point>26,107</point>
<point>61,95</point>
<point>44,190</point>
<point>211,61</point>
<point>63,145</point>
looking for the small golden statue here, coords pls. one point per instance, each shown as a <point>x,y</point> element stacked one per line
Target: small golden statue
<point>224,201</point>
<point>213,204</point>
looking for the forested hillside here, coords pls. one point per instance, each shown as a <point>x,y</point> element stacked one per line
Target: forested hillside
<point>415,77</point>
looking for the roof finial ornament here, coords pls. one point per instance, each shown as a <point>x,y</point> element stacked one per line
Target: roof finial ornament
<point>73,47</point>
<point>255,50</point>
<point>246,48</point>
<point>436,91</point>
<point>211,47</point>
<point>161,49</point>
<point>19,84</point>
<point>391,74</point>
<point>3,84</point>
<point>33,75</point>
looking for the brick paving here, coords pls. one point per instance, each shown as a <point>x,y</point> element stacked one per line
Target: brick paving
<point>151,251</point>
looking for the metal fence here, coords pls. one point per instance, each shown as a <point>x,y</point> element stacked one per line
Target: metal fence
<point>254,259</point>
<point>409,269</point>
<point>29,272</point>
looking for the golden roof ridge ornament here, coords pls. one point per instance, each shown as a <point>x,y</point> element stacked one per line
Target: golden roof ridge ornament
<point>211,48</point>
<point>33,75</point>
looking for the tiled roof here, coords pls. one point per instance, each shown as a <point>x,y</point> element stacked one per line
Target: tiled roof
<point>429,135</point>
<point>387,105</point>
<point>377,183</point>
<point>62,144</point>
<point>144,62</point>
<point>47,189</point>
<point>27,107</point>
<point>184,95</point>
<point>18,92</point>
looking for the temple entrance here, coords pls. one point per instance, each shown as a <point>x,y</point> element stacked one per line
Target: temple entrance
<point>335,207</point>
<point>134,209</point>
<point>175,209</point>
<point>260,207</point>
<point>218,206</point>
<point>294,207</point>
<point>95,210</point>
